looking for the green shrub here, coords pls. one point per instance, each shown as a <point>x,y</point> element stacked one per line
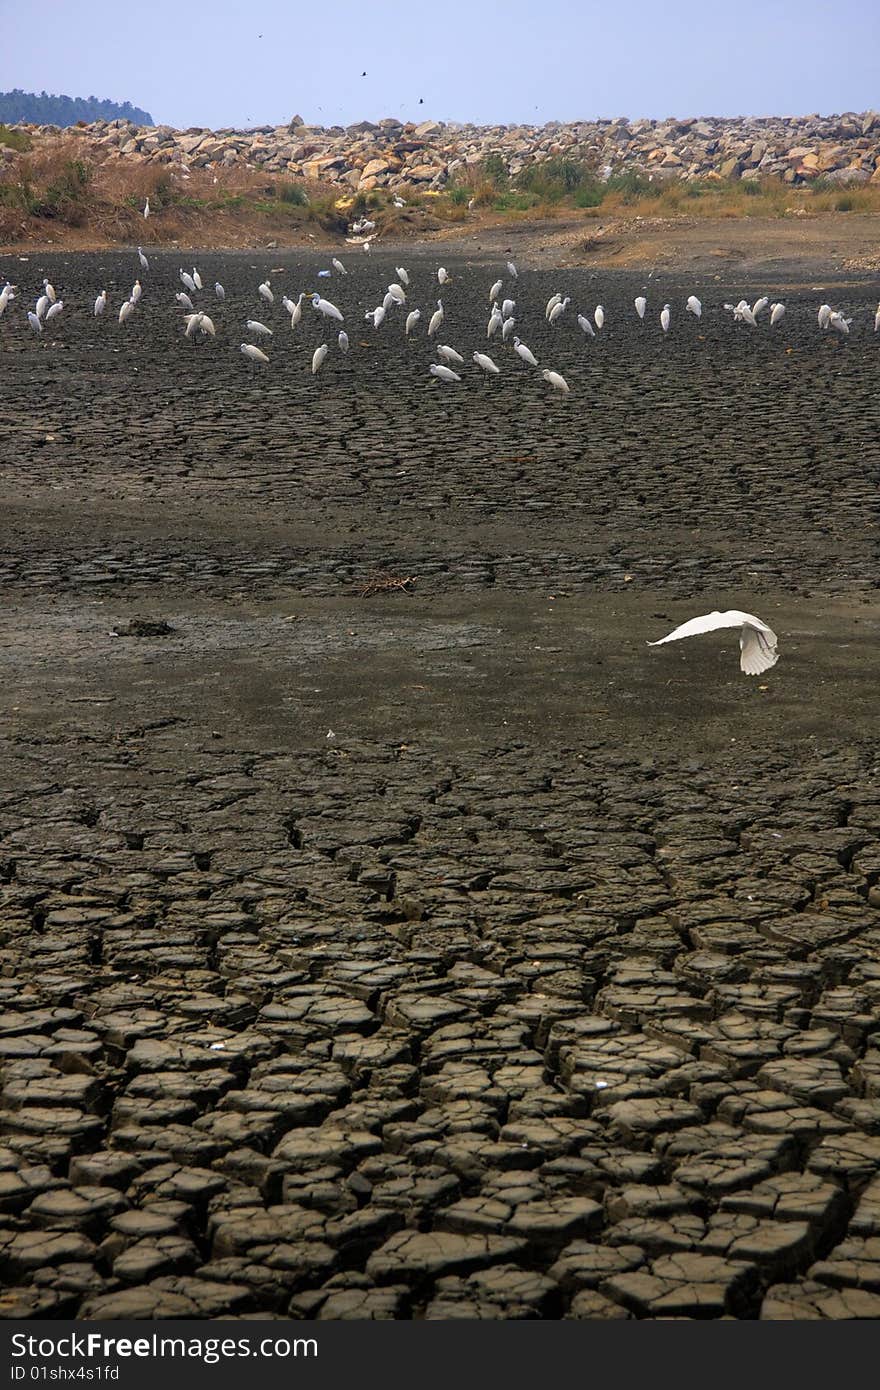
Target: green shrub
<point>14,139</point>
<point>632,185</point>
<point>293,193</point>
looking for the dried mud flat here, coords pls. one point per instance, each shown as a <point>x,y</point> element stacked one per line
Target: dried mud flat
<point>549,985</point>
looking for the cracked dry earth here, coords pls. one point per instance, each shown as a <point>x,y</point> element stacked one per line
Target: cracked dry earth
<point>549,985</point>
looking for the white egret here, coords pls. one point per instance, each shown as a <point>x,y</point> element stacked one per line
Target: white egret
<point>54,309</point>
<point>343,340</point>
<point>759,305</point>
<point>253,354</point>
<point>756,640</point>
<point>398,202</point>
<point>136,292</point>
<point>443,373</point>
<point>41,306</point>
<point>296,312</point>
<point>286,304</point>
<point>100,303</point>
<point>495,291</point>
<point>641,304</point>
<point>318,357</point>
<point>219,291</point>
<point>265,292</point>
<point>450,355</point>
<point>401,274</point>
<point>442,275</point>
<point>324,307</point>
<point>126,310</point>
<point>411,320</point>
<point>397,292</point>
<point>777,313</point>
<point>388,302</point>
<point>694,306</point>
<point>145,264</point>
<point>193,323</point>
<point>484,361</point>
<point>6,297</point>
<point>146,209</point>
<point>495,321</point>
<point>824,315</point>
<point>187,280</point>
<point>337,265</point>
<point>254,326</point>
<point>586,326</point>
<point>366,247</point>
<point>511,269</point>
<point>556,380</point>
<point>839,323</point>
<point>665,317</point>
<point>525,353</point>
<point>877,319</point>
<point>599,316</point>
<point>507,328</point>
<point>34,321</point>
<point>197,279</point>
<point>551,304</point>
<point>377,315</point>
<point>559,309</point>
<point>743,313</point>
<point>184,300</point>
<point>50,291</point>
<point>436,319</point>
<point>206,327</point>
<point>507,308</point>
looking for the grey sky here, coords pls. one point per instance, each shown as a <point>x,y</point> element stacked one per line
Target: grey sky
<point>222,62</point>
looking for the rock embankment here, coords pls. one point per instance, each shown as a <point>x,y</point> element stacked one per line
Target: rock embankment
<point>392,154</point>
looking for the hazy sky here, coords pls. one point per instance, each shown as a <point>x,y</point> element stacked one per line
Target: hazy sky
<point>224,62</point>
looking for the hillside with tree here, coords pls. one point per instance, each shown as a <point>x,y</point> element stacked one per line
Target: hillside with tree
<point>46,109</point>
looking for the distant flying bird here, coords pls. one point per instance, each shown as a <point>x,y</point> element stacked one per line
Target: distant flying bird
<point>254,326</point>
<point>142,258</point>
<point>337,265</point>
<point>100,303</point>
<point>665,318</point>
<point>694,306</point>
<point>219,291</point>
<point>756,640</point>
<point>556,380</point>
<point>525,353</point>
<point>450,355</point>
<point>253,354</point>
<point>483,360</point>
<point>343,340</point>
<point>324,307</point>
<point>777,313</point>
<point>318,357</point>
<point>641,304</point>
<point>443,373</point>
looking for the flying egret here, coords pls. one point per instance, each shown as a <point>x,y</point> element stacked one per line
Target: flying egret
<point>197,279</point>
<point>318,357</point>
<point>126,310</point>
<point>586,326</point>
<point>337,265</point>
<point>253,354</point>
<point>34,321</point>
<point>694,306</point>
<point>411,320</point>
<point>100,303</point>
<point>219,291</point>
<point>511,269</point>
<point>401,274</point>
<point>551,304</point>
<point>665,318</point>
<point>450,355</point>
<point>599,316</point>
<point>54,309</point>
<point>254,326</point>
<point>397,292</point>
<point>187,280</point>
<point>483,360</point>
<point>41,306</point>
<point>265,292</point>
<point>824,315</point>
<point>641,304</point>
<point>184,300</point>
<point>50,291</point>
<point>324,307</point>
<point>556,380</point>
<point>343,340</point>
<point>525,353</point>
<point>146,209</point>
<point>756,640</point>
<point>436,319</point>
<point>442,275</point>
<point>495,291</point>
<point>145,264</point>
<point>495,321</point>
<point>136,292</point>
<point>443,373</point>
<point>777,313</point>
<point>759,305</point>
